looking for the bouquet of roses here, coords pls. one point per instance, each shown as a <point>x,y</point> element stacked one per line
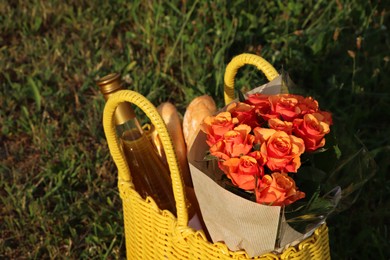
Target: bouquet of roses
<point>259,142</point>
<point>267,170</point>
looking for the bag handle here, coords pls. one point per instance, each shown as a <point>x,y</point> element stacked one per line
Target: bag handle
<point>239,61</point>
<point>124,175</point>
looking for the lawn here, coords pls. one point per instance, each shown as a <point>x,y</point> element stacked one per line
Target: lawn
<point>57,181</point>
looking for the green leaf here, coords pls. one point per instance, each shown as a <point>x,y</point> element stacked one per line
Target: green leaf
<point>317,209</point>
<point>285,81</point>
<point>337,151</point>
<point>37,23</point>
<point>130,66</point>
<point>321,205</point>
<point>35,92</point>
<point>318,43</point>
<point>319,150</point>
<point>241,96</point>
<point>209,157</point>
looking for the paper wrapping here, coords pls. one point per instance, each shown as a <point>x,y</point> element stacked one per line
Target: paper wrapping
<point>229,218</point>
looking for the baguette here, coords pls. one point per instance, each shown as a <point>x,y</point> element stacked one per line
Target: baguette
<point>169,114</point>
<point>199,108</point>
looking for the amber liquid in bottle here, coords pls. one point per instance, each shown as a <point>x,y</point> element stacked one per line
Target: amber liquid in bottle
<point>149,174</point>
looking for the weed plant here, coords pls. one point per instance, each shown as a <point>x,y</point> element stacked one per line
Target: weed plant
<point>58,194</point>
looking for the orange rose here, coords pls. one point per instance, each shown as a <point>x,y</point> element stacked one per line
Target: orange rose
<point>281,150</point>
<point>308,105</point>
<point>261,160</point>
<point>216,126</point>
<point>277,189</point>
<point>262,105</point>
<point>327,117</point>
<point>286,106</point>
<point>277,124</point>
<point>259,100</point>
<point>234,143</point>
<point>244,113</point>
<point>242,171</point>
<point>238,141</point>
<point>312,130</point>
<point>218,150</point>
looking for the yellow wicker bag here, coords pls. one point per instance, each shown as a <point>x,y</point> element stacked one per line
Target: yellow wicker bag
<point>151,233</point>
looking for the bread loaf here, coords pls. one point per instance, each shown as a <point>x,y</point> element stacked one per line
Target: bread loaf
<point>171,117</point>
<point>197,110</point>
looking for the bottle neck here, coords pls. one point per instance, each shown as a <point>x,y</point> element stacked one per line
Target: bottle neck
<point>129,130</point>
<point>124,113</point>
<point>109,85</point>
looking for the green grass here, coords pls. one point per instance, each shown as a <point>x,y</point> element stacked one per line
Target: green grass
<point>57,181</point>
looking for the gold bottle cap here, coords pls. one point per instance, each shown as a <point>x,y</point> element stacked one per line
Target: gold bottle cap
<point>109,84</point>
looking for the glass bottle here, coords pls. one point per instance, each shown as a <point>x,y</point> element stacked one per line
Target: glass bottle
<point>151,132</point>
<point>149,174</point>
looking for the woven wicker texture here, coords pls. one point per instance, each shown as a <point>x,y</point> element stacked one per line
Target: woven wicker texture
<point>154,234</point>
<point>239,61</point>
